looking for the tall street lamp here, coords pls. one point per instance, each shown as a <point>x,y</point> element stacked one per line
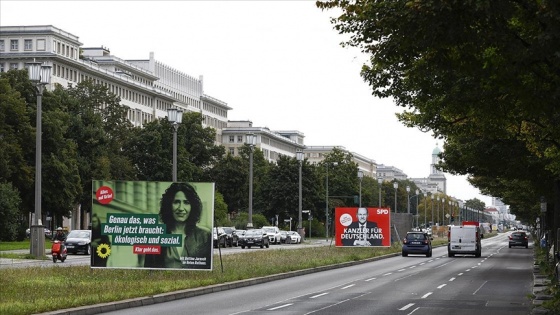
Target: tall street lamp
<point>175,117</point>
<point>396,186</point>
<point>432,209</point>
<point>442,211</point>
<point>437,199</point>
<point>299,156</point>
<point>251,140</point>
<point>327,203</point>
<point>417,196</point>
<point>360,176</point>
<point>425,195</point>
<point>380,182</point>
<point>408,199</point>
<point>40,76</point>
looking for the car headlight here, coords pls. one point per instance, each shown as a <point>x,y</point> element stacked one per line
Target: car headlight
<point>82,243</point>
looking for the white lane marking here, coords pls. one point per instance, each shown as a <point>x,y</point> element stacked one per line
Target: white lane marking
<point>441,286</point>
<point>426,295</point>
<point>460,274</point>
<point>474,293</point>
<point>318,295</point>
<point>412,267</point>
<point>348,286</point>
<point>404,308</point>
<point>401,270</point>
<point>370,279</point>
<point>451,279</point>
<point>279,307</point>
<point>387,274</point>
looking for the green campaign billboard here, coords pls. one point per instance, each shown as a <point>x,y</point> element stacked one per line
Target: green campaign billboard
<point>152,225</point>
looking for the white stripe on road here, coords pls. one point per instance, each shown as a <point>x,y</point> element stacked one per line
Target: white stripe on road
<point>406,307</point>
<point>279,307</point>
<point>318,295</point>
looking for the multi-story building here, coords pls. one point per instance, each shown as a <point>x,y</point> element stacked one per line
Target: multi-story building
<point>146,87</point>
<point>316,154</point>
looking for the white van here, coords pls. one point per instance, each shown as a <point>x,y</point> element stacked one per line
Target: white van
<point>464,240</point>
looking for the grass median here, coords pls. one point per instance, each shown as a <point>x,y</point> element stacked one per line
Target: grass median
<point>36,290</point>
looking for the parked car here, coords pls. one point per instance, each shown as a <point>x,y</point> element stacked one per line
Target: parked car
<point>283,236</point>
<point>293,237</point>
<point>231,236</point>
<point>48,233</point>
<point>417,243</point>
<point>255,237</point>
<point>240,234</point>
<point>219,236</point>
<point>518,238</point>
<point>78,241</point>
<point>273,233</point>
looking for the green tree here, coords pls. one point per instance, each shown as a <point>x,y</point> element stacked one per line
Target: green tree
<point>10,215</point>
<point>230,177</point>
<point>467,70</point>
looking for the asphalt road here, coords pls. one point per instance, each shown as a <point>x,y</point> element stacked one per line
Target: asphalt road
<point>497,283</point>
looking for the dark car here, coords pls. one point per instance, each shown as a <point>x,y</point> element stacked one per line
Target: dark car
<point>220,237</point>
<point>518,238</point>
<point>232,239</point>
<point>78,241</point>
<point>255,237</point>
<point>417,243</point>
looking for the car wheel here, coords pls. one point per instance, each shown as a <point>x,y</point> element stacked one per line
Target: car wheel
<point>242,247</point>
<point>509,246</point>
<point>267,245</point>
<point>450,254</point>
<point>262,246</point>
<point>429,254</point>
<point>249,247</point>
<point>404,254</point>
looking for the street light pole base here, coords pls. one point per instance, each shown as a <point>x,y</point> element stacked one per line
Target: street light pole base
<point>249,225</point>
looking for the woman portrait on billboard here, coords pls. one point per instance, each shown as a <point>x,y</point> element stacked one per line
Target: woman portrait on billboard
<point>180,210</point>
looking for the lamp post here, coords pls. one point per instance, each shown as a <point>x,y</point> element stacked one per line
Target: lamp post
<point>40,76</point>
<point>380,182</point>
<point>252,142</point>
<point>299,156</point>
<point>309,218</point>
<point>396,186</point>
<point>417,196</point>
<point>432,202</point>
<point>425,195</point>
<point>450,211</point>
<point>437,199</point>
<point>175,117</point>
<point>327,203</point>
<point>442,211</point>
<point>360,176</point>
<point>408,199</point>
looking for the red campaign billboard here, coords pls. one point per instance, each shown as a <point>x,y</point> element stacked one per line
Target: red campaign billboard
<point>363,227</point>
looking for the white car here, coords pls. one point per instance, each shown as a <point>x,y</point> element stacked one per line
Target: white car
<point>273,233</point>
<point>293,237</point>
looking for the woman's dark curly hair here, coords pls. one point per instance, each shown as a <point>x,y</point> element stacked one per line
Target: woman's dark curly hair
<point>166,205</point>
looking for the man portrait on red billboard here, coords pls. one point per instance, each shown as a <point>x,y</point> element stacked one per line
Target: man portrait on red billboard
<point>362,232</point>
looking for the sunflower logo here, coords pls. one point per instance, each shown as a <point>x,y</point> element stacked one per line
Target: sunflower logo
<point>103,250</point>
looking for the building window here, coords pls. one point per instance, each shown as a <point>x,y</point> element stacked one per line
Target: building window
<point>14,44</point>
<point>2,45</point>
<point>1,67</point>
<point>13,66</point>
<point>28,44</point>
<point>232,151</point>
<point>41,45</point>
<point>231,139</point>
<point>240,139</point>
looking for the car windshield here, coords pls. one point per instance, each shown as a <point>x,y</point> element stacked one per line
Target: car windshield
<point>228,230</point>
<point>415,236</point>
<point>269,229</point>
<point>254,233</point>
<point>78,234</point>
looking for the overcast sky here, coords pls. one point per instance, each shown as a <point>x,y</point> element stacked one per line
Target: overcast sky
<point>276,63</point>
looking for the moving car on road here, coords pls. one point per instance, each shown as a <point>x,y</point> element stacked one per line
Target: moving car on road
<point>78,241</point>
<point>518,238</point>
<point>417,243</point>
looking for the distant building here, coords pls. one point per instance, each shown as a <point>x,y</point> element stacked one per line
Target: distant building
<point>436,181</point>
<point>316,154</point>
